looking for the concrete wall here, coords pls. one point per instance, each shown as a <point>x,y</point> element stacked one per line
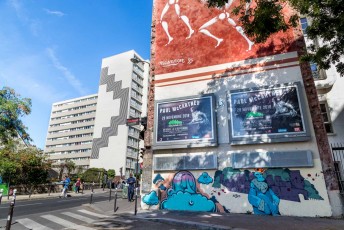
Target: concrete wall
<point>205,51</point>
<point>110,139</point>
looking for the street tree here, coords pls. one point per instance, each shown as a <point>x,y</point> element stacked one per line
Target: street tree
<point>12,108</point>
<point>34,168</point>
<point>262,18</point>
<point>111,173</point>
<point>67,167</point>
<point>92,175</point>
<point>27,166</point>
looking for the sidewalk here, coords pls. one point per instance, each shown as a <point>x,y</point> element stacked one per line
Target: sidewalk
<point>52,195</point>
<point>193,220</point>
<point>203,220</point>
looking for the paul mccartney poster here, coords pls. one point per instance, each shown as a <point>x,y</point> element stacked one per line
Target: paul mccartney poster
<point>269,113</point>
<point>185,121</point>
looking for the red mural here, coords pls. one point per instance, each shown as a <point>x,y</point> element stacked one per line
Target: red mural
<point>190,35</point>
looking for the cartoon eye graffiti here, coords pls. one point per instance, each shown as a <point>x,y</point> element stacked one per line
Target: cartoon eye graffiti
<point>191,202</point>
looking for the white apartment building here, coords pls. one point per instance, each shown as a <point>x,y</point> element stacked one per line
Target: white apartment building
<point>70,130</point>
<point>122,94</point>
<point>329,85</point>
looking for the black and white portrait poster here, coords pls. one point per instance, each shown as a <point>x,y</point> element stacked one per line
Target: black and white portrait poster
<point>270,111</point>
<point>185,120</point>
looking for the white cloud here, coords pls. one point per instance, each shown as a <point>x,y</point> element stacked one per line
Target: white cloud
<point>33,25</point>
<point>16,5</point>
<point>71,79</point>
<point>54,12</point>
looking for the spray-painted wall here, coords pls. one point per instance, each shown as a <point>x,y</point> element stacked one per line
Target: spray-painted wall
<point>274,192</point>
<point>196,51</point>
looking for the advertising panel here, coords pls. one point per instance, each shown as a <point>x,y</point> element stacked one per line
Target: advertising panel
<point>267,114</point>
<point>185,122</point>
<point>189,35</point>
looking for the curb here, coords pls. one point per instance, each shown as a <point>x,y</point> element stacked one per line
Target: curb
<point>189,224</point>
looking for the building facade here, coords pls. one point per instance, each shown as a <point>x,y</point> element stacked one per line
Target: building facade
<point>122,94</point>
<point>70,131</point>
<point>236,126</point>
<point>329,85</point>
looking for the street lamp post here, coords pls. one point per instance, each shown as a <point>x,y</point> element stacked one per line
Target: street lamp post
<point>147,166</point>
<point>136,61</point>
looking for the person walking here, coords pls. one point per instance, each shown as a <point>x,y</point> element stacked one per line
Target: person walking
<point>77,185</point>
<point>66,183</point>
<point>131,186</point>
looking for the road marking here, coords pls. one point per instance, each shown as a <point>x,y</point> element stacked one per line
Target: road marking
<point>79,217</point>
<point>65,223</point>
<point>21,205</point>
<point>93,213</point>
<point>30,224</point>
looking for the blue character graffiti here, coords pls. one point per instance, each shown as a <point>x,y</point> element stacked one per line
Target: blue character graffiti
<point>158,178</point>
<point>151,198</point>
<point>205,178</point>
<point>261,197</point>
<point>183,195</point>
<point>285,183</point>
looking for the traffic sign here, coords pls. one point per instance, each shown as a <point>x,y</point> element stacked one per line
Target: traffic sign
<point>133,121</point>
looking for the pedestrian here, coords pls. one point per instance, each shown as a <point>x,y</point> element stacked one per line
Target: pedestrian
<point>77,185</point>
<point>131,186</point>
<point>66,183</point>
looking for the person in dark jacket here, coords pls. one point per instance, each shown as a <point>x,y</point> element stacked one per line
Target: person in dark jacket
<point>131,186</point>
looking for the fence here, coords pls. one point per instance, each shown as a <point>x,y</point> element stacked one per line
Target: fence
<point>338,158</point>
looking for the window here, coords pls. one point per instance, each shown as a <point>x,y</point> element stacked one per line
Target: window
<point>304,25</point>
<point>315,71</point>
<point>326,117</point>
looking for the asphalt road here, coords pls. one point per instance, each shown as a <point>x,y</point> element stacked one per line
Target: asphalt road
<point>69,213</point>
<point>36,206</point>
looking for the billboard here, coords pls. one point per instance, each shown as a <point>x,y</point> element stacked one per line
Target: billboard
<point>185,122</point>
<point>189,35</point>
<point>267,114</point>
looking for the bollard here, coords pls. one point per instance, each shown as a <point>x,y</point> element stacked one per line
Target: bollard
<point>110,194</point>
<point>49,189</point>
<point>136,200</point>
<point>14,196</point>
<point>115,201</point>
<point>10,212</point>
<point>9,217</point>
<point>1,191</point>
<point>91,198</point>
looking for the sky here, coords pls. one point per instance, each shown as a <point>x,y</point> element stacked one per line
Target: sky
<point>52,50</point>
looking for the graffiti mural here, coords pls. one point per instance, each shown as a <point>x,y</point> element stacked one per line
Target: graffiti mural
<point>265,188</point>
<point>285,183</point>
<point>263,200</point>
<point>205,178</point>
<point>181,192</point>
<point>151,198</point>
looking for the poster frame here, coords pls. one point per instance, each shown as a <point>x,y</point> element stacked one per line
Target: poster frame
<point>273,137</point>
<point>188,143</point>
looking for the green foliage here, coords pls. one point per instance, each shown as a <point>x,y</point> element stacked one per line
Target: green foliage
<point>327,25</point>
<point>66,167</point>
<point>217,3</point>
<point>111,173</point>
<point>92,175</point>
<point>264,20</point>
<point>26,166</point>
<point>12,108</point>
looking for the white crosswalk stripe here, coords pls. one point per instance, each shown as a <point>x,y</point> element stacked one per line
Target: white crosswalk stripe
<point>79,217</point>
<point>92,213</point>
<point>65,223</point>
<point>30,224</point>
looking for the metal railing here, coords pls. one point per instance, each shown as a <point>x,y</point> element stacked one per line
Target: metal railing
<point>338,159</point>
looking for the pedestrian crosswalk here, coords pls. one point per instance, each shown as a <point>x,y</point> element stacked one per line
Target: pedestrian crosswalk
<point>80,219</point>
